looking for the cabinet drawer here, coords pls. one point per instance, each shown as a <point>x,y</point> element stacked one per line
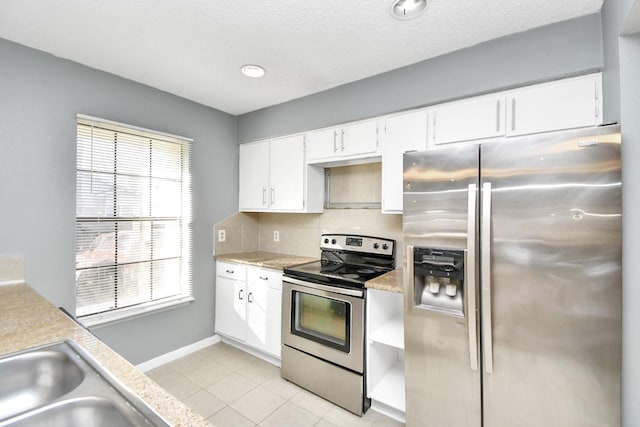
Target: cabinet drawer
<point>270,278</point>
<point>231,270</point>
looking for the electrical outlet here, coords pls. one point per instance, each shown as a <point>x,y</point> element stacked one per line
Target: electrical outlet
<point>222,235</point>
<point>276,236</point>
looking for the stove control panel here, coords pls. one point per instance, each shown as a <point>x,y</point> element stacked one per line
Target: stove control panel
<point>355,243</point>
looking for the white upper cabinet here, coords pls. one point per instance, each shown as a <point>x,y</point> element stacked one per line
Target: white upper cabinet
<point>287,163</point>
<point>343,144</point>
<point>274,177</point>
<point>359,139</point>
<point>254,175</point>
<point>403,133</point>
<point>564,104</point>
<point>476,118</point>
<point>323,144</point>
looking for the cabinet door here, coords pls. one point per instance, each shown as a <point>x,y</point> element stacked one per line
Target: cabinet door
<point>402,133</point>
<point>361,138</point>
<point>323,144</point>
<point>230,315</point>
<point>264,317</point>
<point>254,176</point>
<point>287,178</point>
<point>476,118</point>
<point>274,322</point>
<point>565,104</point>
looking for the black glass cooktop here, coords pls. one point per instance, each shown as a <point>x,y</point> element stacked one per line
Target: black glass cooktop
<point>336,274</point>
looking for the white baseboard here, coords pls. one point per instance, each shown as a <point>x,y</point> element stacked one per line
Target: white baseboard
<point>177,354</point>
<point>247,349</point>
<point>389,411</point>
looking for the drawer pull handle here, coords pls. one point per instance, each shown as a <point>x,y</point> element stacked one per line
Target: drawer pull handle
<point>229,271</point>
<point>241,294</point>
<point>263,278</point>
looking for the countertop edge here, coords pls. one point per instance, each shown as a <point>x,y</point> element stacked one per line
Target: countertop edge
<point>390,282</point>
<point>272,260</point>
<point>28,320</point>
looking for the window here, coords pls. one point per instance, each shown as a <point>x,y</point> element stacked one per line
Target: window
<point>133,220</point>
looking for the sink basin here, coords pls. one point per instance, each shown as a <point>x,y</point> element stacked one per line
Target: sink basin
<point>32,379</point>
<point>60,384</point>
<point>81,412</point>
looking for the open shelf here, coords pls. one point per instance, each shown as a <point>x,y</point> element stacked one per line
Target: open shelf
<point>390,390</point>
<point>391,333</point>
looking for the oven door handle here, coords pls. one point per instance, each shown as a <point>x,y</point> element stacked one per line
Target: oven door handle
<point>335,289</point>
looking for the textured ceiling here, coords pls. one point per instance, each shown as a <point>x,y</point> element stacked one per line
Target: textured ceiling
<point>195,48</point>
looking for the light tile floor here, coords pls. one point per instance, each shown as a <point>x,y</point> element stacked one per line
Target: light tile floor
<point>229,387</point>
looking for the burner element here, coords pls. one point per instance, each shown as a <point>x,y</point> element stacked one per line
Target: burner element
<point>350,276</point>
<point>366,270</point>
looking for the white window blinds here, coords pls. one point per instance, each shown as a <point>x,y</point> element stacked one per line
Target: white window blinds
<point>133,221</point>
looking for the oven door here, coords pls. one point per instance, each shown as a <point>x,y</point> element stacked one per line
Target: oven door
<point>324,322</point>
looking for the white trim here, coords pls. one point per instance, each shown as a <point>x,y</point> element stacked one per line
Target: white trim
<point>128,127</point>
<point>389,411</point>
<point>252,351</point>
<point>13,282</point>
<point>177,354</point>
<point>127,313</point>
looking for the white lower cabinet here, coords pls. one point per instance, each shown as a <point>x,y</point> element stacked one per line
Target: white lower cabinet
<point>385,353</point>
<point>264,306</point>
<point>248,306</point>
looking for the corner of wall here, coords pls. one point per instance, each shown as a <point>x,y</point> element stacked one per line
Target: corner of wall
<point>241,231</point>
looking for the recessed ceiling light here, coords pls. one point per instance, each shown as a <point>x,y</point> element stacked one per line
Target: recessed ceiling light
<point>407,9</point>
<point>254,71</point>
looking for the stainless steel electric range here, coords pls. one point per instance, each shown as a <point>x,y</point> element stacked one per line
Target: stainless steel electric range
<point>323,317</point>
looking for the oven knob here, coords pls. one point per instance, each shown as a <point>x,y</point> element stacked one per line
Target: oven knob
<point>376,246</point>
<point>334,241</point>
<point>326,240</point>
<point>385,246</point>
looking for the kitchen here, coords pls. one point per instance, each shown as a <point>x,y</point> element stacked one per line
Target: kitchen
<point>37,174</point>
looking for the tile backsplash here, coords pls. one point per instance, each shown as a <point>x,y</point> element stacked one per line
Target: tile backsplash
<point>299,234</point>
<point>11,269</point>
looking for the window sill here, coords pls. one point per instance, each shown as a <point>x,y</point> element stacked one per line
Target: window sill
<point>129,313</point>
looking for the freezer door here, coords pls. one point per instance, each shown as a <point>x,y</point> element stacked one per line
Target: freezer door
<point>442,374</point>
<point>551,280</point>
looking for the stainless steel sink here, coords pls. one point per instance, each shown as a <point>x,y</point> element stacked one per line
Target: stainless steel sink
<point>79,412</point>
<point>62,385</point>
<point>32,379</point>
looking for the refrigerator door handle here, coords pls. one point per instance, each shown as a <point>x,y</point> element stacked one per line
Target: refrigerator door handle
<point>486,277</point>
<point>410,278</point>
<point>470,277</point>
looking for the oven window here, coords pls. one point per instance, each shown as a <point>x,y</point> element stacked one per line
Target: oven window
<point>321,319</point>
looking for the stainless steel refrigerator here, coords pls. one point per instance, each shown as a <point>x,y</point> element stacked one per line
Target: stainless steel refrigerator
<point>513,282</point>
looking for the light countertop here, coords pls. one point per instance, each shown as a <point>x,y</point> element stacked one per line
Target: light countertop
<point>391,281</point>
<point>271,260</point>
<point>29,320</point>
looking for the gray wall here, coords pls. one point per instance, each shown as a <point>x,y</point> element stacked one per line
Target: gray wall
<point>564,49</point>
<point>39,98</point>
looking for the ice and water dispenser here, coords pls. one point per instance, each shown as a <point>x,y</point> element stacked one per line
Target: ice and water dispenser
<point>439,280</point>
